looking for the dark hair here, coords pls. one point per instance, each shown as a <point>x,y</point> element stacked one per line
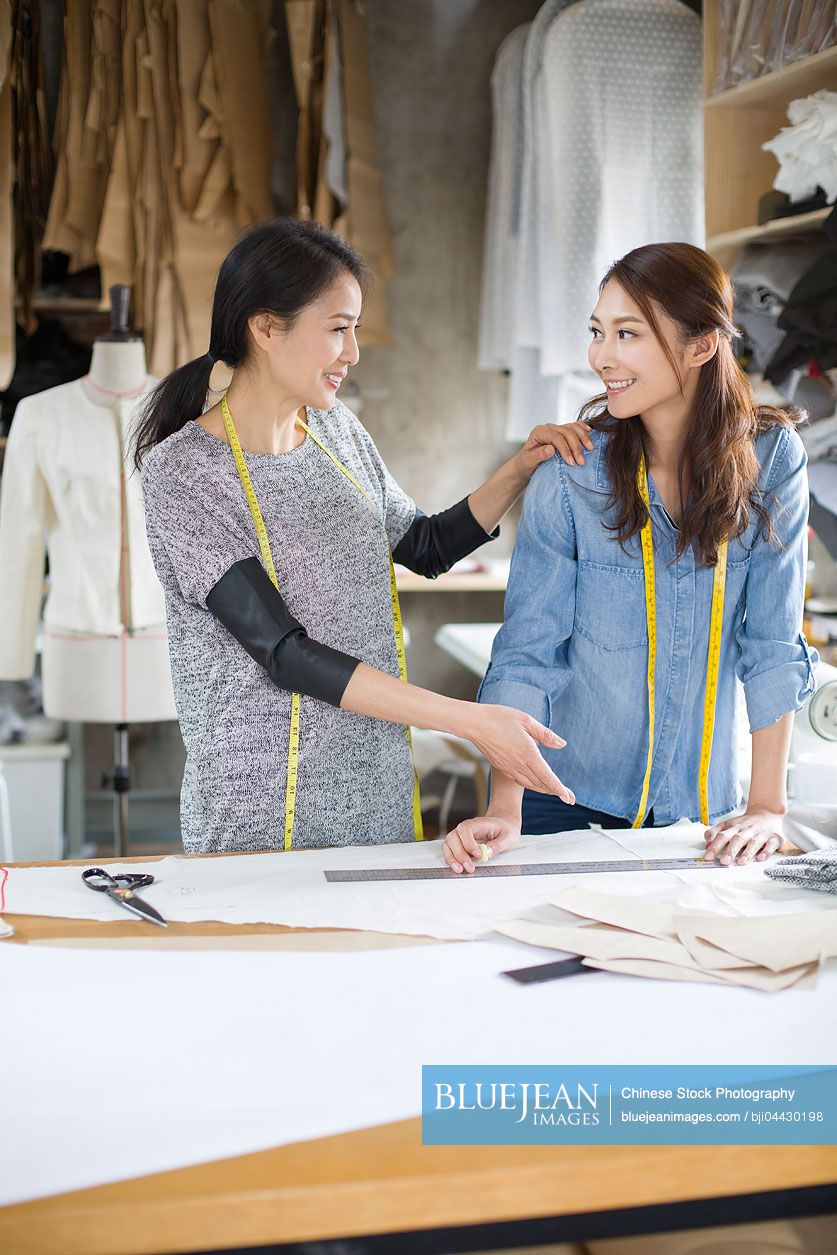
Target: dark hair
<point>277,267</point>
<point>718,453</point>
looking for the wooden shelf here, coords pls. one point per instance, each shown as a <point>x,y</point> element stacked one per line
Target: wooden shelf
<point>736,125</point>
<point>726,244</point>
<point>799,78</point>
<point>67,305</point>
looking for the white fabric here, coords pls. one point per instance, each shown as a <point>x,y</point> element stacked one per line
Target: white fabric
<point>811,826</point>
<point>807,149</point>
<point>621,153</point>
<point>538,398</point>
<point>291,888</point>
<point>533,397</point>
<point>497,307</point>
<point>610,95</point>
<point>257,1050</point>
<point>528,274</point>
<point>61,491</point>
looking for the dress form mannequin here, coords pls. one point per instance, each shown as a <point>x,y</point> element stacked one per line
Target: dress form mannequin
<point>125,677</point>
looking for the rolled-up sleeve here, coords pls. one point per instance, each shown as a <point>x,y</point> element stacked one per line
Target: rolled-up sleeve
<point>776,665</point>
<point>529,665</point>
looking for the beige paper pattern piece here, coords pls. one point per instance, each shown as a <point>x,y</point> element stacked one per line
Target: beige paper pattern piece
<point>239,32</point>
<point>653,970</point>
<point>706,955</point>
<point>170,127</point>
<point>771,982</point>
<point>751,977</point>
<point>597,942</point>
<point>654,919</point>
<point>778,942</point>
<point>644,938</point>
<point>634,954</point>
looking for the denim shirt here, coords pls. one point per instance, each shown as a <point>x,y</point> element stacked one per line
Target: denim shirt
<point>573,651</point>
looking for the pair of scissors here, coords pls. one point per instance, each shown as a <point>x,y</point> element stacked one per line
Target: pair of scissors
<point>121,888</point>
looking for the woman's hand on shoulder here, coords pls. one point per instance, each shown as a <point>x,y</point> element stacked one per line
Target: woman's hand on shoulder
<point>568,440</point>
<point>754,835</point>
<point>477,840</point>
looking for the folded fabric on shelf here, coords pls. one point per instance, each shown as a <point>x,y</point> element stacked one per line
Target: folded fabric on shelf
<point>806,150</point>
<point>810,316</point>
<point>764,275</point>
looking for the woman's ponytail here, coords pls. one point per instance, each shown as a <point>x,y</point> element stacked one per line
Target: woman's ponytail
<point>171,404</point>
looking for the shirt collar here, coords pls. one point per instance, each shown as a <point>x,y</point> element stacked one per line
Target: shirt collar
<point>603,483</point>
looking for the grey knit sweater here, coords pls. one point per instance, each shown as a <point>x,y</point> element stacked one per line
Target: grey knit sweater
<point>331,552</point>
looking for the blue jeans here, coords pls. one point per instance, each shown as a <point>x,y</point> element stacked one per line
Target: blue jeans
<point>543,813</point>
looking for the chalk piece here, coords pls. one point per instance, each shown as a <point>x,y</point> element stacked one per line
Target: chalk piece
<point>485,853</point>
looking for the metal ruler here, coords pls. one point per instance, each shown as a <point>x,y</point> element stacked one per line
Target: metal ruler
<point>483,870</point>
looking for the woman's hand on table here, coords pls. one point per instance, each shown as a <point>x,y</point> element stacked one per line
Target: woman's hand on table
<point>463,847</point>
<point>568,440</point>
<point>754,835</point>
<point>509,739</point>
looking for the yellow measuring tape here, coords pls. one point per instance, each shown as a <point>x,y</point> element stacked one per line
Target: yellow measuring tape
<point>267,558</point>
<point>716,618</point>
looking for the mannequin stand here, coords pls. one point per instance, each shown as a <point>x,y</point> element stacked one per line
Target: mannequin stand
<point>120,784</point>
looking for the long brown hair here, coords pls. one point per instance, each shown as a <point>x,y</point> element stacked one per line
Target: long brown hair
<point>718,459</point>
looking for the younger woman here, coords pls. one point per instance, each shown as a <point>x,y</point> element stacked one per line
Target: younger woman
<point>645,581</point>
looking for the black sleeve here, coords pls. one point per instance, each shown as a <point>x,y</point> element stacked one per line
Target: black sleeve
<point>254,612</point>
<point>432,545</point>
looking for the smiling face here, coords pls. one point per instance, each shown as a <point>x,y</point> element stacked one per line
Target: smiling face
<point>310,361</point>
<point>627,356</point>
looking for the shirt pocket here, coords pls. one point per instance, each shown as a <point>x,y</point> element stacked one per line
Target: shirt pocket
<point>610,607</point>
<point>735,582</point>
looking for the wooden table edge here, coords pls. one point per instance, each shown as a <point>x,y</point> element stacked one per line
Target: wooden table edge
<point>275,1196</point>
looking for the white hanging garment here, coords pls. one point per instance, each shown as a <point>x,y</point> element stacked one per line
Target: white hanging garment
<point>502,215</point>
<point>536,398</point>
<point>619,154</point>
<point>533,397</point>
<point>528,273</point>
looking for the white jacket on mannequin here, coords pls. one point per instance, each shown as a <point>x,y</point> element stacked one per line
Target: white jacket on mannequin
<point>60,492</point>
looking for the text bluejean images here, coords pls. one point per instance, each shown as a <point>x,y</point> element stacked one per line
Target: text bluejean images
<point>600,1105</point>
